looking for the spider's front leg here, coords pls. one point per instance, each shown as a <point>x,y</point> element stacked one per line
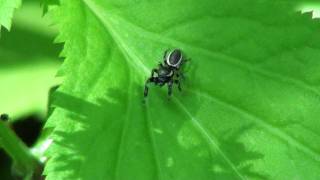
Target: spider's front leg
<point>180,76</point>
<point>150,80</point>
<point>153,71</point>
<point>178,83</point>
<point>170,85</point>
<point>146,88</point>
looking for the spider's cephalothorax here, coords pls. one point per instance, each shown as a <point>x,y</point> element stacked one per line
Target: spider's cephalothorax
<point>168,72</point>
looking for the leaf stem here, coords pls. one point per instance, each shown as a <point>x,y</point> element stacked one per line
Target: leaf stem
<point>24,161</point>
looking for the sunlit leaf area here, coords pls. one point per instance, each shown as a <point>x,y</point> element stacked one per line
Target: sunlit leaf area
<point>159,90</point>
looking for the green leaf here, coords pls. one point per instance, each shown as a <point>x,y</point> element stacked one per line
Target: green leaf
<point>7,8</point>
<point>310,7</point>
<point>249,108</point>
<point>47,3</point>
<point>28,64</point>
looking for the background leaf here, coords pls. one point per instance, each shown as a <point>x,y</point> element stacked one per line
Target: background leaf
<point>249,105</point>
<point>314,7</point>
<point>28,63</point>
<point>7,8</point>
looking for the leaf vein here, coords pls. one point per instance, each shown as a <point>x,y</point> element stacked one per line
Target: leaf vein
<point>258,121</point>
<point>124,129</point>
<point>209,139</point>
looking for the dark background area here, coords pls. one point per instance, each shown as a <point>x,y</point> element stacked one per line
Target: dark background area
<point>28,129</point>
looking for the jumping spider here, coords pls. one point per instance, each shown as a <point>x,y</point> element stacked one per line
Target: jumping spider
<point>168,72</point>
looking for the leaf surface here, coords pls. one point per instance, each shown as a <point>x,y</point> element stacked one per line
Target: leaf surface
<point>249,108</point>
<point>7,8</point>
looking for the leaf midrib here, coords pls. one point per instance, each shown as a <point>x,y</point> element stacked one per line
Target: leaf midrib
<point>125,127</point>
<point>211,141</point>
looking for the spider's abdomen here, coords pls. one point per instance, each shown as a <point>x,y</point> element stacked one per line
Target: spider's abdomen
<point>174,58</point>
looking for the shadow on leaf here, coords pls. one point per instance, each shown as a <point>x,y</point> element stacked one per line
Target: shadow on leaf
<point>102,141</point>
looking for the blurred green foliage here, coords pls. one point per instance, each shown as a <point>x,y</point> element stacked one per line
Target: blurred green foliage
<point>310,6</point>
<point>28,62</point>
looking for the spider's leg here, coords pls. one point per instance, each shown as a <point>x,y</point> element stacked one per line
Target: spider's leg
<point>153,71</point>
<point>161,84</point>
<point>186,60</point>
<point>180,76</point>
<point>146,88</point>
<point>170,85</point>
<point>179,84</point>
<point>185,69</point>
<point>150,80</point>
